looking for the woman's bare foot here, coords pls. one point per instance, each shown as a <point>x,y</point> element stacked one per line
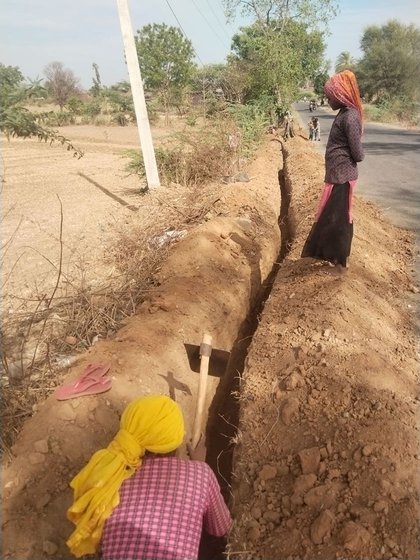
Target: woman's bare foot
<point>337,270</point>
<point>341,269</point>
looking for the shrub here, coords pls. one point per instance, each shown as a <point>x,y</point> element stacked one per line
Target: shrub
<point>75,106</point>
<point>252,120</point>
<point>92,108</point>
<point>120,118</point>
<point>152,111</point>
<point>101,120</point>
<point>58,118</point>
<point>393,109</point>
<point>189,160</point>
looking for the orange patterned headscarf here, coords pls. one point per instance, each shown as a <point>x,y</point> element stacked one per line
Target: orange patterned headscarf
<point>343,89</point>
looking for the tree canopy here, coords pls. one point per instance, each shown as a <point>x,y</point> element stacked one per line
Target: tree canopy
<point>313,13</point>
<point>166,59</point>
<point>345,62</point>
<point>390,66</point>
<point>278,57</point>
<point>10,76</point>
<point>61,83</point>
<point>319,82</point>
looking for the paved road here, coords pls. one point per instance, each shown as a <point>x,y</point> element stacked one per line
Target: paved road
<point>390,172</point>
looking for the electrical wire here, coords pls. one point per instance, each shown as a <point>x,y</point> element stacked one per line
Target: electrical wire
<point>207,21</point>
<point>185,35</point>
<point>218,20</point>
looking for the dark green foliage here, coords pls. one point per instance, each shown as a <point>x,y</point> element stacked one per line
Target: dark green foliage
<point>278,58</point>
<point>166,60</point>
<point>319,83</point>
<point>252,121</point>
<point>165,55</point>
<point>121,103</point>
<point>56,118</point>
<point>10,77</point>
<point>390,67</point>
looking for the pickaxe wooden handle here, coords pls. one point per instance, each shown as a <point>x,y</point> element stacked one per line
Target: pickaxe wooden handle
<point>205,352</point>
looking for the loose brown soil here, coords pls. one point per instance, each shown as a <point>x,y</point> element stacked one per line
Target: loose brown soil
<point>326,456</point>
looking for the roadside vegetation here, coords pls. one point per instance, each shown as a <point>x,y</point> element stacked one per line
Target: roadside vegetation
<point>388,72</point>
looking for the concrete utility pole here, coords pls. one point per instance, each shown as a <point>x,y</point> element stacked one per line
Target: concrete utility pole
<point>146,143</point>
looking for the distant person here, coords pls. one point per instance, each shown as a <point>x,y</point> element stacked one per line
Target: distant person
<point>331,235</point>
<point>289,131</point>
<point>135,500</point>
<point>311,129</point>
<point>316,129</point>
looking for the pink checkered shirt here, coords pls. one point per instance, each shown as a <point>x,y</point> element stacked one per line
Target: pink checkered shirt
<point>163,508</point>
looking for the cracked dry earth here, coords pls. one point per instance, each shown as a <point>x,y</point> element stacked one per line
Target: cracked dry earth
<point>327,450</point>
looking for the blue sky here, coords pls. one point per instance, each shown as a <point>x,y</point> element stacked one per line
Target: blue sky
<point>78,33</point>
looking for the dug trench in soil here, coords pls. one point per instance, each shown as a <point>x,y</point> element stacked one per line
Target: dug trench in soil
<point>327,455</point>
<point>150,345</point>
<point>223,418</point>
<point>223,415</point>
<point>209,282</point>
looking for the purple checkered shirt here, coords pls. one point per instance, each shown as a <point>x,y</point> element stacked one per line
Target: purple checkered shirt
<point>163,508</point>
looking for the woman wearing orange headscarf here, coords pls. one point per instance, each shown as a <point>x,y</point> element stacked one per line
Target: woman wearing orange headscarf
<point>331,235</point>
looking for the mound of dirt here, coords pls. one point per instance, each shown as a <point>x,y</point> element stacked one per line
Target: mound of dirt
<point>326,453</point>
<point>209,282</point>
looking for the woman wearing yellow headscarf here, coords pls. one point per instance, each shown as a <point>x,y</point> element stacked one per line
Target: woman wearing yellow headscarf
<point>137,512</point>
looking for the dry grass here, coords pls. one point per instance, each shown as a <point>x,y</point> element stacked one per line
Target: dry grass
<point>48,332</point>
<point>194,157</point>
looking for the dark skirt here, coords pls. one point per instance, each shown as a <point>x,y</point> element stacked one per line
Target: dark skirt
<point>331,236</point>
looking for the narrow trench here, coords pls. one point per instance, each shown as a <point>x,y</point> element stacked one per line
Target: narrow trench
<point>224,411</point>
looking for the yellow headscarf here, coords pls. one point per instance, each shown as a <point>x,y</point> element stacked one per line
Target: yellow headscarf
<point>153,423</point>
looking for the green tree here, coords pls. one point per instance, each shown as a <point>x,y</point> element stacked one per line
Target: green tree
<point>345,62</point>
<point>36,89</point>
<point>61,83</point>
<point>123,86</point>
<point>166,59</point>
<point>97,87</point>
<point>15,118</point>
<point>390,66</point>
<point>229,80</point>
<point>319,83</point>
<point>279,58</point>
<point>10,76</point>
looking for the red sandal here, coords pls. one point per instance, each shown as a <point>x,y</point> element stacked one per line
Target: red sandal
<point>91,382</point>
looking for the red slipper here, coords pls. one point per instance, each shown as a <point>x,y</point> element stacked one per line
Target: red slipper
<point>91,382</point>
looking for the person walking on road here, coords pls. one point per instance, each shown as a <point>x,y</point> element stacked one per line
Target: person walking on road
<point>331,235</point>
<point>134,500</point>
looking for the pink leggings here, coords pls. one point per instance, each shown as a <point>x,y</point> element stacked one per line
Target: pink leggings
<point>328,187</point>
